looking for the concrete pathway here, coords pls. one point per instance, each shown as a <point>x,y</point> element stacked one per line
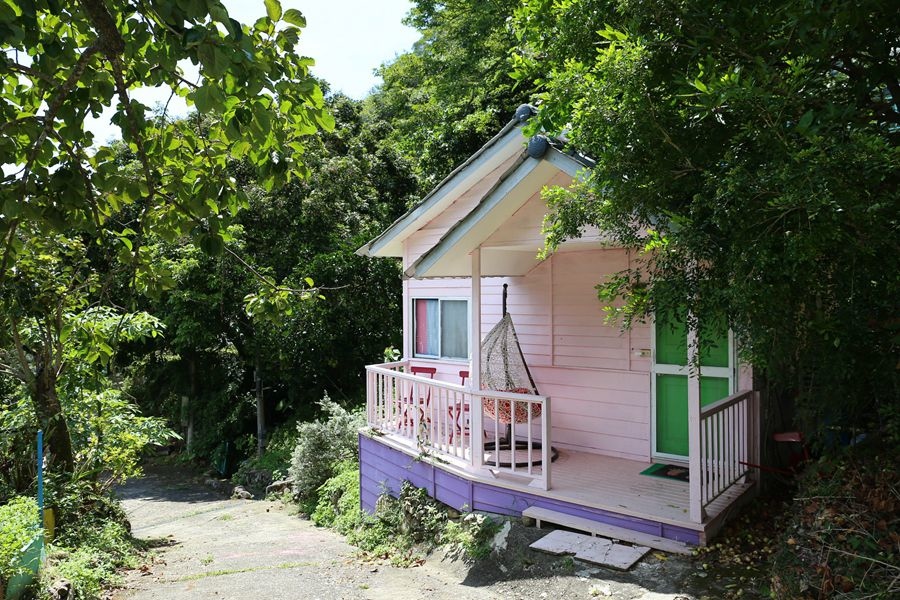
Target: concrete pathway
<point>211,547</point>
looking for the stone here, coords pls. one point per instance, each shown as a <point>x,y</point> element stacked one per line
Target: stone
<point>60,590</point>
<point>600,590</point>
<point>501,537</point>
<point>277,487</point>
<point>239,493</point>
<point>220,485</point>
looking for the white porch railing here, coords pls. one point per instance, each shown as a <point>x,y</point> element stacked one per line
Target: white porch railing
<point>729,441</point>
<point>447,419</point>
<point>521,411</point>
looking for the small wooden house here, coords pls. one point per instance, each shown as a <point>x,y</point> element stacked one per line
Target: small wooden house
<point>641,441</point>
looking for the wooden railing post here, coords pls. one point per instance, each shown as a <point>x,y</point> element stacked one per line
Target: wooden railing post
<point>546,443</point>
<point>754,433</point>
<point>696,473</point>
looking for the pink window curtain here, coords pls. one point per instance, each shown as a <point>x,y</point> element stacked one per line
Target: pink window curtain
<point>426,328</point>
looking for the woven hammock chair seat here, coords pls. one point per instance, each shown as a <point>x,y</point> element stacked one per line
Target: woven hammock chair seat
<point>503,368</point>
<point>501,411</point>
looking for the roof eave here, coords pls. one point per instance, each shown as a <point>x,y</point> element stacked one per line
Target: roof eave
<point>503,145</point>
<point>504,186</point>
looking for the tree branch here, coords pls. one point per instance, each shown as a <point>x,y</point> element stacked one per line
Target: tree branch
<point>27,375</point>
<point>54,106</point>
<point>77,151</point>
<point>19,68</point>
<point>7,247</point>
<point>272,283</point>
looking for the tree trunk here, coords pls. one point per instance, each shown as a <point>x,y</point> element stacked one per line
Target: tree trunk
<point>52,421</point>
<point>189,415</point>
<point>260,410</point>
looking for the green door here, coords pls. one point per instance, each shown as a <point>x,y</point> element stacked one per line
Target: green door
<point>670,380</point>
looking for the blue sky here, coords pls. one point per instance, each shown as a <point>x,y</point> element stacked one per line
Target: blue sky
<point>348,39</point>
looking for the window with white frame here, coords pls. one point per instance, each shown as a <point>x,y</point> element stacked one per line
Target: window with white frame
<point>440,328</point>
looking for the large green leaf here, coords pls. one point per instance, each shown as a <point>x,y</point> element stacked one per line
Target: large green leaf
<point>273,9</point>
<point>294,17</point>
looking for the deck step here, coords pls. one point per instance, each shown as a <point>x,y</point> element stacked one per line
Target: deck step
<point>602,529</point>
<point>597,550</point>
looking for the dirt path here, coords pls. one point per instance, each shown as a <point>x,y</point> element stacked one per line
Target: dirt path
<point>210,547</point>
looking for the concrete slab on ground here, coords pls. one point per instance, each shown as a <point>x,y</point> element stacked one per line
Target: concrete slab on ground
<point>596,550</point>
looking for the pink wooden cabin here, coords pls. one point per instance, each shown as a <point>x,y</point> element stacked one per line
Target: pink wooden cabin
<point>612,404</point>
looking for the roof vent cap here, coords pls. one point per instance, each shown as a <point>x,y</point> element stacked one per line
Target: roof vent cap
<point>525,112</point>
<point>538,146</point>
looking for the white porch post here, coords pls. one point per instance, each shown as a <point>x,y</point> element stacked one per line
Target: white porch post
<point>477,437</point>
<point>696,501</point>
<point>407,344</point>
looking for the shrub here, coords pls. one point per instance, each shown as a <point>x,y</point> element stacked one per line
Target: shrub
<point>402,528</point>
<point>82,505</point>
<point>255,473</point>
<point>321,446</point>
<point>93,560</point>
<point>111,434</point>
<point>842,534</point>
<point>338,504</point>
<point>18,526</point>
<point>469,538</point>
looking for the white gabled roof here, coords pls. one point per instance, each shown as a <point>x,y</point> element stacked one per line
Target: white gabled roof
<point>522,181</point>
<point>502,147</point>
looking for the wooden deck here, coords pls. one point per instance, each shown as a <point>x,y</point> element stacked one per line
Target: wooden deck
<point>605,486</point>
<point>616,484</point>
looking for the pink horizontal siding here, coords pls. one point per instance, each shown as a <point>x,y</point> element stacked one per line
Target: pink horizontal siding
<point>600,391</point>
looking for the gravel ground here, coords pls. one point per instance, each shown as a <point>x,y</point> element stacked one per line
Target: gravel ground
<point>211,547</point>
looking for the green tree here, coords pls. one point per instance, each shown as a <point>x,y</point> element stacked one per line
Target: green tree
<point>307,228</point>
<point>61,63</point>
<point>56,343</point>
<point>750,150</point>
<point>453,91</point>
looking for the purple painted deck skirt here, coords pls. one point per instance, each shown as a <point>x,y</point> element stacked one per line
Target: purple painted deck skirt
<point>383,469</point>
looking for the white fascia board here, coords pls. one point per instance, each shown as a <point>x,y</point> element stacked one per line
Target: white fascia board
<point>569,165</point>
<point>499,149</point>
<point>522,181</point>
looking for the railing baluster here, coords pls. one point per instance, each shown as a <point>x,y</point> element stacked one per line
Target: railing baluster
<point>528,407</point>
<point>436,415</point>
<point>443,416</point>
<point>742,444</point>
<point>546,442</point>
<point>722,434</point>
<point>726,443</point>
<point>497,436</point>
<point>735,438</point>
<point>513,451</point>
<point>726,440</point>
<point>704,467</point>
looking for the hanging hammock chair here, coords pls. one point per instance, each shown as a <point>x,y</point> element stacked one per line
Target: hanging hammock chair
<point>503,369</point>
